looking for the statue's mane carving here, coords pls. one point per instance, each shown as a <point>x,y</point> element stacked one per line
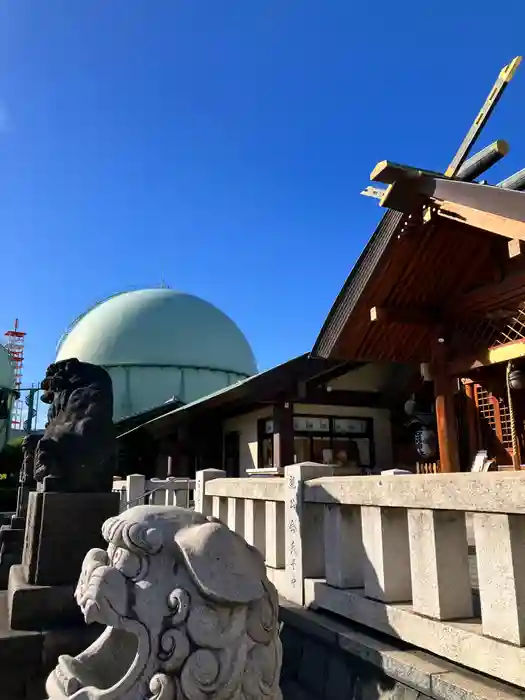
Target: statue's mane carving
<point>190,612</point>
<point>78,445</point>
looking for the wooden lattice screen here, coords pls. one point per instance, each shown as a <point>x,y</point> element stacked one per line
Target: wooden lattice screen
<point>494,414</point>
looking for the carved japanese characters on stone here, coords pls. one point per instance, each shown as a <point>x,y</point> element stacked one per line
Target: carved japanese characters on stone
<point>78,446</point>
<point>190,614</point>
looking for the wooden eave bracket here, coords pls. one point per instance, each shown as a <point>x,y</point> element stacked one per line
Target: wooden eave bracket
<point>425,317</point>
<point>405,316</point>
<point>494,223</point>
<point>402,196</point>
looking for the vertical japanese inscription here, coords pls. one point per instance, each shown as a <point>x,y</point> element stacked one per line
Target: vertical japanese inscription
<point>292,527</point>
<point>199,490</point>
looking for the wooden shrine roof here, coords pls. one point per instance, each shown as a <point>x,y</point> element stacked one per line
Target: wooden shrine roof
<point>438,264</point>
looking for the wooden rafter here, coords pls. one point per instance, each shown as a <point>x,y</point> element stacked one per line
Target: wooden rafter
<point>390,314</point>
<point>495,223</point>
<point>508,293</point>
<point>425,317</point>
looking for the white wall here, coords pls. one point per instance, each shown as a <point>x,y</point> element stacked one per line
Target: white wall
<point>247,427</point>
<point>370,377</point>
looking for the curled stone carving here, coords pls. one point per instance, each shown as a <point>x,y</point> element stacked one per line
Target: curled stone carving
<point>190,614</point>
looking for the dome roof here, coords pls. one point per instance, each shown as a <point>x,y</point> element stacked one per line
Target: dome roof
<point>157,331</point>
<point>7,376</point>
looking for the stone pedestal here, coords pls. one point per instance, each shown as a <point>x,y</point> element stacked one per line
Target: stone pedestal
<point>11,544</point>
<point>12,537</point>
<point>60,529</point>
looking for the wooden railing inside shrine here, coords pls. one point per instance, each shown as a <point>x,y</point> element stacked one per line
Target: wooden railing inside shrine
<point>392,553</point>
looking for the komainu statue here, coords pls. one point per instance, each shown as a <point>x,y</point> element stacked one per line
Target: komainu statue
<point>29,445</point>
<point>78,446</point>
<point>190,614</point>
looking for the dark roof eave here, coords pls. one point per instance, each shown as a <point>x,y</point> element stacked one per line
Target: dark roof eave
<point>126,424</point>
<point>225,396</point>
<point>355,284</point>
<point>259,387</point>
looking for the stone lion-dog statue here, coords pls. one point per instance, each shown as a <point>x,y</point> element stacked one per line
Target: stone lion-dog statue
<point>190,614</point>
<point>77,451</point>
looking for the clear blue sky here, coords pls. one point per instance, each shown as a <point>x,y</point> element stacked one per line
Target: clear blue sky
<point>222,145</point>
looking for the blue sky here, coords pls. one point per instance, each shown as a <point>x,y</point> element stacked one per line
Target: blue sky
<point>222,145</point>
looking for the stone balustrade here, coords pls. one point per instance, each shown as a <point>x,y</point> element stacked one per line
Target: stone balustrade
<point>392,553</point>
<point>254,508</point>
<point>137,490</point>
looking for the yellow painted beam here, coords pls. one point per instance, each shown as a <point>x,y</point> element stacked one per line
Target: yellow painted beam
<point>504,353</point>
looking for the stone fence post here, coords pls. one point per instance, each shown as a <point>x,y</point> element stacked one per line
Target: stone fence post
<point>203,503</point>
<point>135,489</point>
<point>304,529</point>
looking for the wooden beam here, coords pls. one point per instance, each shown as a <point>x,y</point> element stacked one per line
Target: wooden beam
<point>482,160</point>
<point>492,356</point>
<point>283,435</point>
<point>497,201</point>
<point>516,181</point>
<point>506,352</point>
<point>504,78</point>
<point>494,223</point>
<point>429,317</point>
<point>505,294</point>
<point>391,314</point>
<point>341,397</point>
<point>387,172</point>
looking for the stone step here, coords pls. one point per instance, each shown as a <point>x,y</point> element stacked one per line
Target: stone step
<point>11,538</point>
<point>27,658</point>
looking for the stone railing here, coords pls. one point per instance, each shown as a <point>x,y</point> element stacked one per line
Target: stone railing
<point>392,553</point>
<point>137,490</point>
<point>252,507</point>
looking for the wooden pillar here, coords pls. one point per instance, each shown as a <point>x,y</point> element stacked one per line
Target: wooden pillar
<point>444,391</point>
<point>518,409</point>
<point>472,420</point>
<point>206,438</point>
<point>173,457</point>
<point>168,457</point>
<point>283,434</point>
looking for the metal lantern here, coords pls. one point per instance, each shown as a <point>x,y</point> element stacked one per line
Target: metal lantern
<point>426,442</point>
<point>517,379</point>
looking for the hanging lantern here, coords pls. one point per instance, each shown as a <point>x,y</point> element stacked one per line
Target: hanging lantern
<point>426,442</point>
<point>517,379</point>
<point>410,407</point>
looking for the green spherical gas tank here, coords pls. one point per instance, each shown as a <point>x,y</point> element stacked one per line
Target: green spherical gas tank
<point>7,379</point>
<point>159,344</point>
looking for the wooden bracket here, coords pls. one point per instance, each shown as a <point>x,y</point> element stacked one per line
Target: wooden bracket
<point>390,314</point>
<point>500,225</point>
<point>516,247</point>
